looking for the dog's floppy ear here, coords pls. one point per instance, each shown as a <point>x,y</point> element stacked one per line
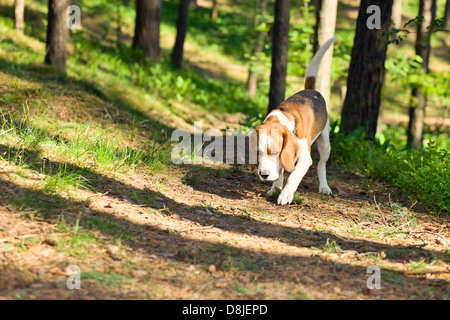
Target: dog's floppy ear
<point>290,151</point>
<point>253,146</point>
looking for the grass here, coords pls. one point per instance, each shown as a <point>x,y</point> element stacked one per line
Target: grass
<point>109,279</point>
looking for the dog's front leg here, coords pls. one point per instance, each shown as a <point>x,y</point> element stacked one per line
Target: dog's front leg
<point>304,162</point>
<point>277,184</point>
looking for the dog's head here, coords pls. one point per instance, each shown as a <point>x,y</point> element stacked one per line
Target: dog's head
<point>273,148</point>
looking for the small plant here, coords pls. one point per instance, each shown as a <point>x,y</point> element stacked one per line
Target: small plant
<point>331,247</point>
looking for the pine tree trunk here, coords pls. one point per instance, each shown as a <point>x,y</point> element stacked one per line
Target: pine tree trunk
<point>280,48</point>
<point>146,33</point>
<point>325,29</point>
<point>366,74</point>
<point>19,8</point>
<point>427,9</point>
<point>447,14</point>
<point>119,23</point>
<point>252,80</point>
<point>182,25</point>
<point>57,34</point>
<point>215,10</point>
<point>397,14</point>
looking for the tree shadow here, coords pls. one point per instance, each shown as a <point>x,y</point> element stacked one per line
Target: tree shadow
<point>146,197</point>
<point>173,246</point>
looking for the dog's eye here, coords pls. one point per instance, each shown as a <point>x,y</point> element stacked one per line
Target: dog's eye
<point>274,153</point>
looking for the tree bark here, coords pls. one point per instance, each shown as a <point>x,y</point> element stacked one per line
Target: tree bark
<point>214,10</point>
<point>57,34</point>
<point>280,48</point>
<point>366,74</point>
<point>146,33</point>
<point>119,24</point>
<point>326,12</point>
<point>252,81</point>
<point>397,14</point>
<point>19,8</point>
<point>447,14</point>
<point>182,26</point>
<point>427,9</point>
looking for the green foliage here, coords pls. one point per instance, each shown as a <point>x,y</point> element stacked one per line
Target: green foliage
<point>408,72</point>
<point>424,172</point>
<point>161,79</point>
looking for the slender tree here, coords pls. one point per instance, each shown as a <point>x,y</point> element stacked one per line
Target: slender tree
<point>397,13</point>
<point>19,8</point>
<point>118,23</point>
<point>427,10</point>
<point>57,34</point>
<point>280,48</point>
<point>182,25</point>
<point>146,32</point>
<point>214,10</point>
<point>447,14</point>
<point>326,12</point>
<point>252,80</point>
<point>366,74</point>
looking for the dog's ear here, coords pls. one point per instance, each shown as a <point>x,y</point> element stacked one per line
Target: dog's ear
<point>290,151</point>
<point>253,152</point>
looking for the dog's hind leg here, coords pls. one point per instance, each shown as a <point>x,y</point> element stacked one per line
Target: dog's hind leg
<point>323,145</point>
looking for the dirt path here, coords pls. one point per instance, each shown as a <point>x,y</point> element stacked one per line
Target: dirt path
<point>200,232</point>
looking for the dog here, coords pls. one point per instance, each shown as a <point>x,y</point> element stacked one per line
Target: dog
<point>283,141</point>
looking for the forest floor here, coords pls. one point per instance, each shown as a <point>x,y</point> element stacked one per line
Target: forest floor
<point>209,232</point>
<point>191,231</point>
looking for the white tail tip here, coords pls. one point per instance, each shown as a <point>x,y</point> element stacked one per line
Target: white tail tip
<point>315,61</point>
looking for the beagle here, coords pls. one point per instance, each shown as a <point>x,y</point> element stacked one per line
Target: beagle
<point>283,141</point>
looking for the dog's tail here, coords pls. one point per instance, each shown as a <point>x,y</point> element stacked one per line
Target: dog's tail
<point>311,74</point>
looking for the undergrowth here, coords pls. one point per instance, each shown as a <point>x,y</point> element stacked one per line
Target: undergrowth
<point>423,172</point>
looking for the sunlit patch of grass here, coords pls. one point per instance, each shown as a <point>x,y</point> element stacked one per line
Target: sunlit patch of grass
<point>109,279</point>
<point>63,180</point>
<point>74,242</point>
<point>331,247</point>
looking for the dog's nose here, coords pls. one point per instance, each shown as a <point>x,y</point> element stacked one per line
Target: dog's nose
<point>264,174</point>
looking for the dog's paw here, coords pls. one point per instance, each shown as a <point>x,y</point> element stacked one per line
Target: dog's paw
<point>273,192</point>
<point>325,190</point>
<point>285,197</point>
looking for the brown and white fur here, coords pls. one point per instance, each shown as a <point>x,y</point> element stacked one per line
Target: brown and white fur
<point>283,141</point>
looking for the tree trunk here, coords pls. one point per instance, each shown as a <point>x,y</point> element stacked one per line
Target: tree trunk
<point>215,10</point>
<point>366,74</point>
<point>19,8</point>
<point>280,48</point>
<point>427,9</point>
<point>326,12</point>
<point>182,25</point>
<point>397,14</point>
<point>252,81</point>
<point>57,34</point>
<point>447,14</point>
<point>119,24</point>
<point>146,33</point>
